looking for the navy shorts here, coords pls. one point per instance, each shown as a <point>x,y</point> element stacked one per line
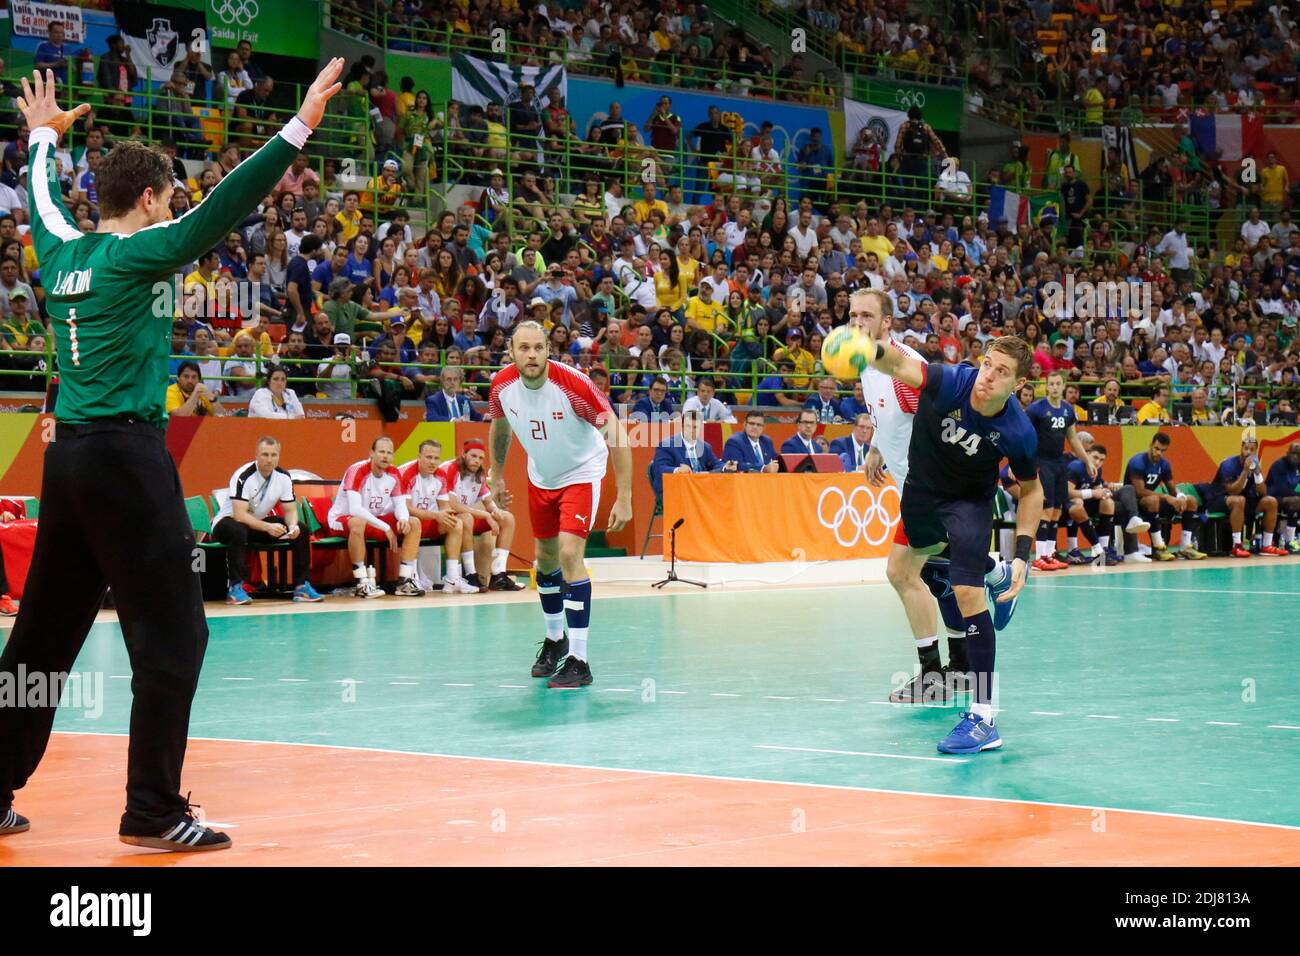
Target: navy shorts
<point>967,527</point>
<point>1056,486</point>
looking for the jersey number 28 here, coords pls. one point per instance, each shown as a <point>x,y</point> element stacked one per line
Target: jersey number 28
<point>954,434</point>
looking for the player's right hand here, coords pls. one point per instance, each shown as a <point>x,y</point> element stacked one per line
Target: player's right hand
<point>39,108</point>
<point>392,538</point>
<point>319,93</point>
<point>1019,572</point>
<point>874,466</point>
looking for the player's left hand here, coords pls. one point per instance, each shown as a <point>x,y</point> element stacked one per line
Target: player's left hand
<point>874,466</point>
<point>39,108</point>
<point>1019,572</point>
<point>326,85</point>
<point>1092,468</point>
<point>620,514</point>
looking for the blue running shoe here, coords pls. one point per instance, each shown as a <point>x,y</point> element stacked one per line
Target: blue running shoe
<point>1113,558</point>
<point>1002,612</point>
<point>1077,557</point>
<point>970,736</point>
<point>305,592</point>
<point>237,595</point>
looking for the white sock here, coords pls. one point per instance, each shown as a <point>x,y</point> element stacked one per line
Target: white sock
<point>1157,539</point>
<point>997,575</point>
<point>927,641</point>
<point>983,711</point>
<point>359,571</point>
<point>407,570</point>
<point>1236,537</point>
<point>1073,542</point>
<point>1186,540</point>
<point>1288,533</point>
<point>499,556</point>
<point>453,569</point>
<point>1103,541</point>
<point>467,559</point>
<point>554,626</point>
<point>577,642</point>
<point>1040,549</point>
<point>1268,539</point>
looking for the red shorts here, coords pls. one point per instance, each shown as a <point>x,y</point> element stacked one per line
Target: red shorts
<point>430,530</point>
<point>571,509</point>
<point>481,526</point>
<point>375,534</point>
<point>900,536</point>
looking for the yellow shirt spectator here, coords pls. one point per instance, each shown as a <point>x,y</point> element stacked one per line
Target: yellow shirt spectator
<point>668,295</point>
<point>643,209</point>
<point>497,136</point>
<point>1273,184</point>
<point>804,363</point>
<point>1152,411</point>
<point>349,226</point>
<point>1093,101</point>
<point>209,284</point>
<point>176,398</point>
<point>706,316</point>
<point>880,245</point>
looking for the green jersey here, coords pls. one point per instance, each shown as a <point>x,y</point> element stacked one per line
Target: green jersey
<point>110,295</point>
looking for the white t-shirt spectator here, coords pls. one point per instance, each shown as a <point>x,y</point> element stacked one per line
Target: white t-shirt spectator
<point>261,494</point>
<point>1252,232</point>
<point>954,186</point>
<point>264,405</point>
<point>804,242</point>
<point>715,411</point>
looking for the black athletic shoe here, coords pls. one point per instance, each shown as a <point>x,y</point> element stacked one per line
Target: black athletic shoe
<point>503,582</point>
<point>574,673</point>
<point>928,687</point>
<point>11,822</point>
<point>549,657</point>
<point>187,835</point>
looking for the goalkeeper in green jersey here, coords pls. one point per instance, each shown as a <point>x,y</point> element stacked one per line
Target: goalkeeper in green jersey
<point>112,511</point>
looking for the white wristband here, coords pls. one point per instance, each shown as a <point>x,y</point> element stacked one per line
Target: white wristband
<point>296,132</point>
<point>1086,493</point>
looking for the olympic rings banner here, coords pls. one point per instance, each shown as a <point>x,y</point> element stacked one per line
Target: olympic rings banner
<point>749,519</point>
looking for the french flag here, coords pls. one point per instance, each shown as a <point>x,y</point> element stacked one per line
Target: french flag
<point>1234,135</point>
<point>1008,205</point>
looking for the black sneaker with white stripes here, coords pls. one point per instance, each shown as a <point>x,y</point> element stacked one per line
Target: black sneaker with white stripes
<point>549,657</point>
<point>11,822</point>
<point>573,673</point>
<point>927,688</point>
<point>501,581</point>
<point>187,835</point>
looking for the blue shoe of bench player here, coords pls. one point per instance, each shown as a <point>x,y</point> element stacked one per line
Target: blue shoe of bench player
<point>305,592</point>
<point>971,735</point>
<point>237,595</point>
<point>1002,612</point>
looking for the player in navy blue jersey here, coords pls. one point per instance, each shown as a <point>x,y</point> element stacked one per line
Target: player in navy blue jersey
<point>1147,472</point>
<point>1283,483</point>
<point>1095,506</point>
<point>1239,489</point>
<point>1053,419</point>
<point>963,428</point>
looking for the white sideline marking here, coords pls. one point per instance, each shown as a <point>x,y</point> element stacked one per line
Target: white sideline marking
<point>856,753</point>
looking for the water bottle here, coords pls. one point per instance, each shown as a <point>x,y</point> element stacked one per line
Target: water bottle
<point>87,67</point>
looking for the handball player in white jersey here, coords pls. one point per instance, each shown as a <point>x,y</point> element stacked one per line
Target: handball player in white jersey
<point>568,429</point>
<point>892,406</point>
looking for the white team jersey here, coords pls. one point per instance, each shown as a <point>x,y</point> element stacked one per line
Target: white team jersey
<point>377,493</point>
<point>558,424</point>
<point>422,491</point>
<point>261,494</point>
<point>892,406</point>
<point>468,489</point>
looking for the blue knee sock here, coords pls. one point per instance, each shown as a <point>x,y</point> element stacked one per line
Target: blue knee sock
<point>981,648</point>
<point>577,609</point>
<point>551,588</point>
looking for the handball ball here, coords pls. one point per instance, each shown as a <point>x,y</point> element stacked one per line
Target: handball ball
<point>845,352</point>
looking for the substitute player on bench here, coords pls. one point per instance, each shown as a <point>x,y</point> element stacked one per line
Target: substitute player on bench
<point>370,504</point>
<point>426,494</point>
<point>567,429</point>
<point>113,512</point>
<point>962,429</point>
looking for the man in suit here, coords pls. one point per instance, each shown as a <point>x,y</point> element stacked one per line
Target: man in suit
<point>853,448</point>
<point>655,406</point>
<point>448,404</point>
<point>752,450</point>
<point>802,442</point>
<point>824,403</point>
<point>685,452</point>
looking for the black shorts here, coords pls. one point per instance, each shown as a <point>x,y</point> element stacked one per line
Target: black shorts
<point>1056,486</point>
<point>967,527</point>
<point>1215,501</point>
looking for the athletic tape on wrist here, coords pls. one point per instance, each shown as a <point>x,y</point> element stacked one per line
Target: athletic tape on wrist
<point>1024,545</point>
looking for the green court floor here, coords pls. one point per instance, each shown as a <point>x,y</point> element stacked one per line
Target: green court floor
<point>1174,692</point>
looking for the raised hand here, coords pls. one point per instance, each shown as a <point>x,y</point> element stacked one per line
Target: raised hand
<point>39,108</point>
<point>319,93</point>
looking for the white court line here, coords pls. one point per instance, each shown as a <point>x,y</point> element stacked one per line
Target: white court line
<point>616,690</point>
<point>1222,723</point>
<point>1103,716</point>
<point>830,700</point>
<point>1047,713</point>
<point>119,676</point>
<point>883,703</point>
<point>403,683</point>
<point>724,695</point>
<point>856,753</point>
<point>294,680</point>
<point>678,693</point>
<point>728,779</point>
<point>1102,587</point>
<point>1163,720</point>
<point>1282,727</point>
<point>349,680</point>
<point>770,697</point>
<point>236,678</point>
<point>513,686</point>
<point>457,685</point>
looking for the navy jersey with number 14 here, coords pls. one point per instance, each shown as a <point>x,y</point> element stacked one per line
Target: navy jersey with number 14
<point>955,451</point>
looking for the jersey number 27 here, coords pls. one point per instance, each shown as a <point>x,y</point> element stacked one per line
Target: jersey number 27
<point>954,434</point>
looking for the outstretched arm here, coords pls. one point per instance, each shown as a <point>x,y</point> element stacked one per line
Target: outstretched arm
<point>899,365</point>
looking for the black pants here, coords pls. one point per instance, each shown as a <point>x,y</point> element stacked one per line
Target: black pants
<point>236,535</point>
<point>112,515</point>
